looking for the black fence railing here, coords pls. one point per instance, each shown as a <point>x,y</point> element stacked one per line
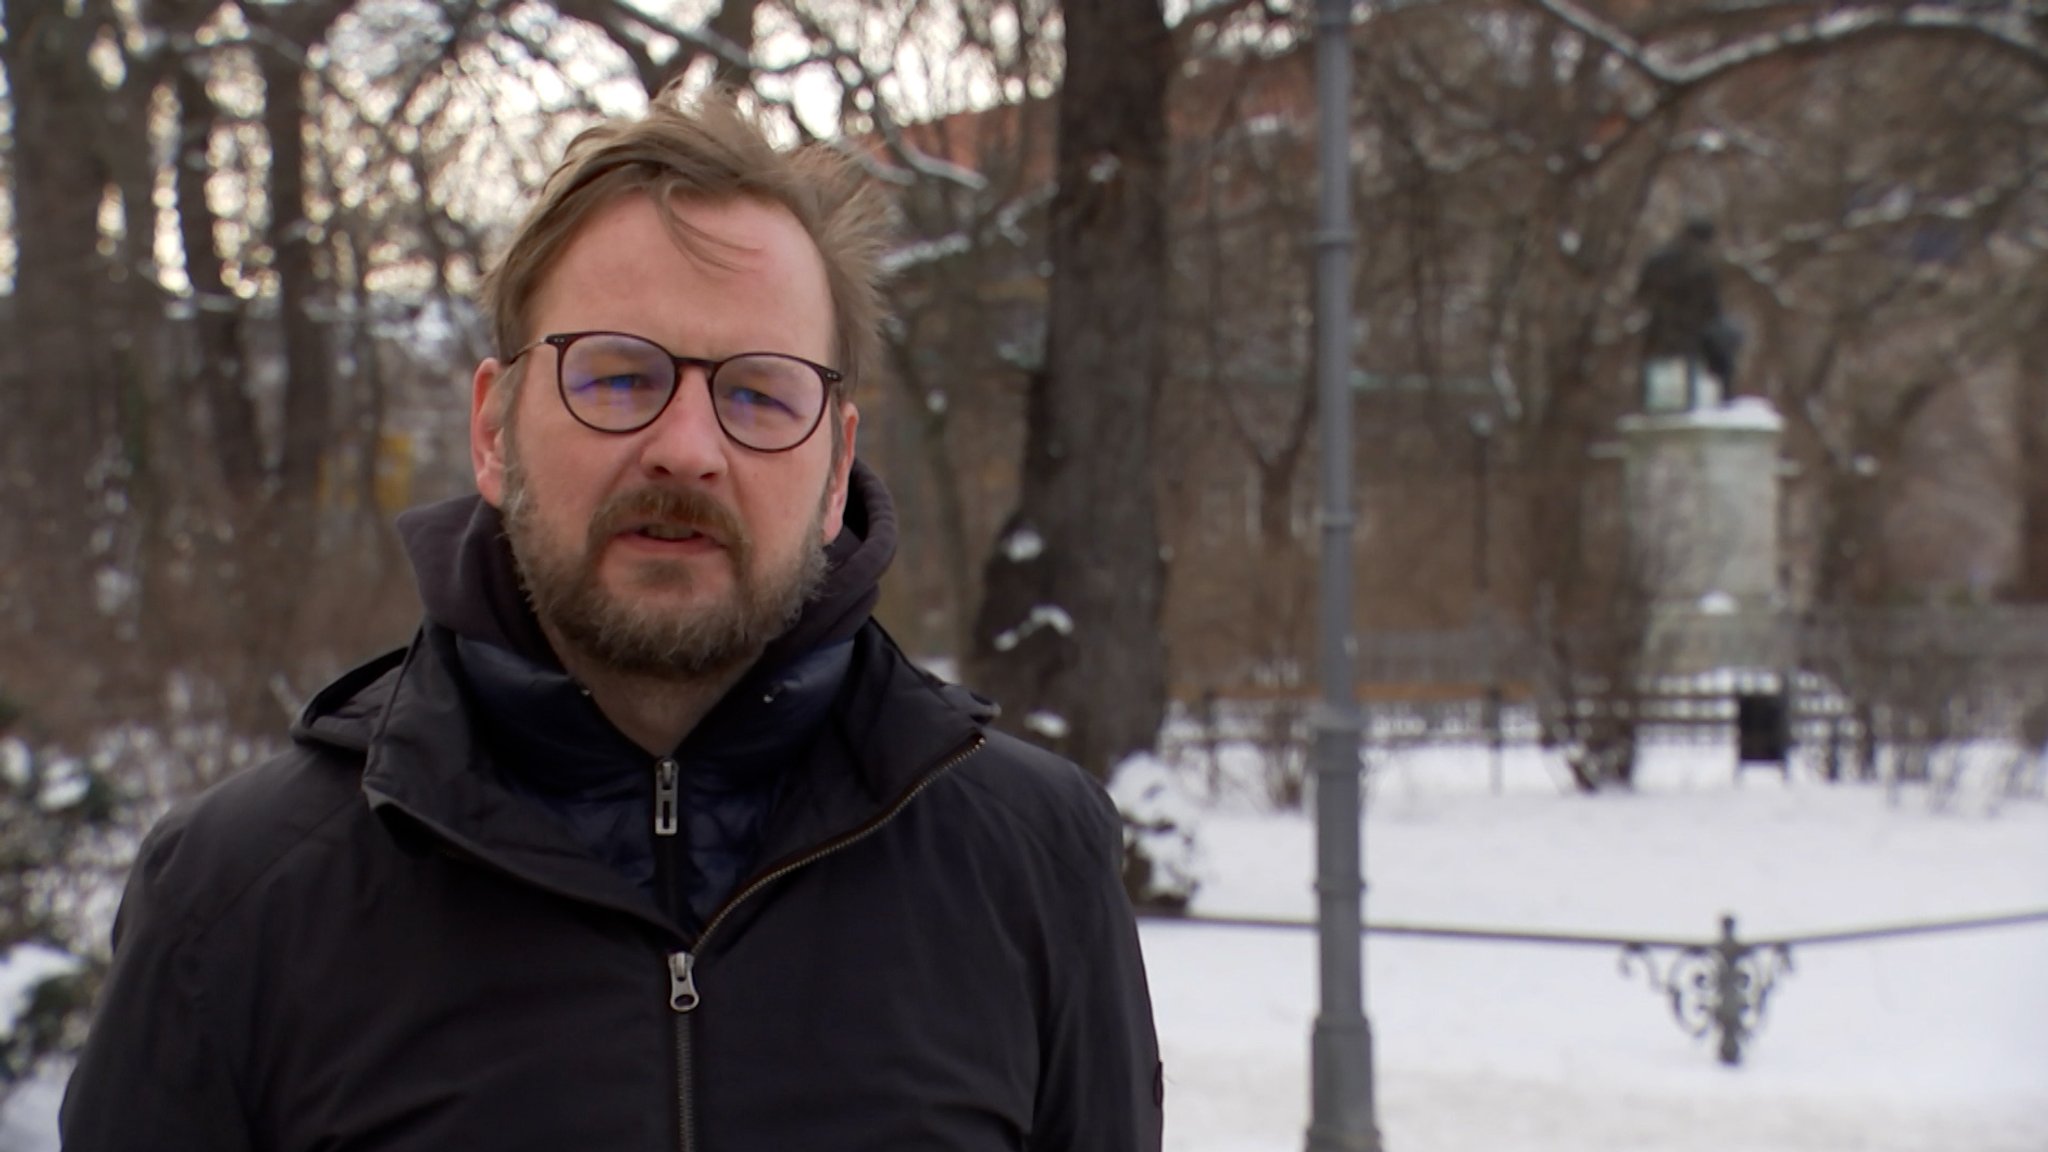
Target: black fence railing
<point>1718,986</point>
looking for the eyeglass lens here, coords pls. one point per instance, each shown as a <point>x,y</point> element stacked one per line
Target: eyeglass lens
<point>621,383</point>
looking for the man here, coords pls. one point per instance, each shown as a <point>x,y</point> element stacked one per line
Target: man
<point>651,838</point>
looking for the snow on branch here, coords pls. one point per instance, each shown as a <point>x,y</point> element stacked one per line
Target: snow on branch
<point>1616,41</point>
<point>925,252</point>
<point>855,75</point>
<point>2008,28</point>
<point>922,163</point>
<point>1900,208</point>
<point>703,40</point>
<point>1043,616</point>
<point>1005,222</point>
<point>1009,218</point>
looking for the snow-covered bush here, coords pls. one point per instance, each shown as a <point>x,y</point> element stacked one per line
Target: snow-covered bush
<point>54,810</point>
<point>1160,811</point>
<point>43,1003</point>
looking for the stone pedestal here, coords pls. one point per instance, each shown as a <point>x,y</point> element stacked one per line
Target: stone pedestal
<point>1702,499</point>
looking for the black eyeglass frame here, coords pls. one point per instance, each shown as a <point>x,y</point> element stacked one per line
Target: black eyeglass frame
<point>828,378</point>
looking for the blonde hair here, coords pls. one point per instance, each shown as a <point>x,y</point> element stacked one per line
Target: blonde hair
<point>707,150</point>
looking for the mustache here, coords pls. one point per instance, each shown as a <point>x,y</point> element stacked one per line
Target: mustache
<point>690,507</point>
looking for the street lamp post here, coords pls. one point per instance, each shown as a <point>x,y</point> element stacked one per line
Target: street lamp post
<point>1341,1078</point>
<point>1482,586</point>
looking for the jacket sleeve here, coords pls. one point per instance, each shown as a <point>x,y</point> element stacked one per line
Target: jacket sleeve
<point>149,1077</point>
<point>1101,1086</point>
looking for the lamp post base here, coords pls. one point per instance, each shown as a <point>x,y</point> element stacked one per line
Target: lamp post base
<point>1343,1116</point>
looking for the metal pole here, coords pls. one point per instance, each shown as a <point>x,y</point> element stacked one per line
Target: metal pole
<point>1341,1092</point>
<point>1482,586</point>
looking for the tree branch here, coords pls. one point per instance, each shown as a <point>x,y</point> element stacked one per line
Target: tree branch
<point>2008,30</point>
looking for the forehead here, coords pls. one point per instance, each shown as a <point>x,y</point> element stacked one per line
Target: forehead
<point>744,276</point>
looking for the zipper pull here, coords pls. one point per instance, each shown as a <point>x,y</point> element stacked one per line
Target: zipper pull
<point>665,801</point>
<point>682,986</point>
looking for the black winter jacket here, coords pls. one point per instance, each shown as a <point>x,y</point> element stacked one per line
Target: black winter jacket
<point>373,943</point>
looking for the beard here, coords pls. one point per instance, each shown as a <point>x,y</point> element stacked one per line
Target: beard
<point>639,636</point>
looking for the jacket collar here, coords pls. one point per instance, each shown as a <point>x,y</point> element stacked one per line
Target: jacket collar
<point>542,724</point>
<point>895,727</point>
<point>426,766</point>
<point>409,715</point>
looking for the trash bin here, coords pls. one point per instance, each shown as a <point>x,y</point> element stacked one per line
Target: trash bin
<point>1763,729</point>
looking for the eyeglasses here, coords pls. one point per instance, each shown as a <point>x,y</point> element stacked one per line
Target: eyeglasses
<point>617,382</point>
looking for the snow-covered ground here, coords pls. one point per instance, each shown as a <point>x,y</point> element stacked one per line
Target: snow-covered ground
<point>1935,1044</point>
<point>1931,1044</point>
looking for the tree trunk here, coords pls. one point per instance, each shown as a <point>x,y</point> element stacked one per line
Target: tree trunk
<point>1068,639</point>
<point>308,400</point>
<point>284,529</point>
<point>948,509</point>
<point>2031,584</point>
<point>217,325</point>
<point>62,394</point>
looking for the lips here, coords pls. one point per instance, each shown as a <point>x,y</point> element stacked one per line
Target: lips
<point>670,532</point>
<point>681,518</point>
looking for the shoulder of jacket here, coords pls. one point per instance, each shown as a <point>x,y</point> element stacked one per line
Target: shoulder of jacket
<point>1047,797</point>
<point>209,852</point>
<point>1043,799</point>
<point>346,712</point>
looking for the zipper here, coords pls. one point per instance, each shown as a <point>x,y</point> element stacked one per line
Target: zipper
<point>682,985</point>
<point>682,997</point>
<point>682,982</point>
<point>666,796</point>
<point>845,841</point>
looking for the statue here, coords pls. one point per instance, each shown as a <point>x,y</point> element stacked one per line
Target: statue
<point>1687,332</point>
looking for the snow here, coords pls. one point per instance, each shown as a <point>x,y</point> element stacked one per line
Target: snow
<point>28,1117</point>
<point>21,969</point>
<point>1042,616</point>
<point>113,589</point>
<point>67,786</point>
<point>925,252</point>
<point>1160,816</point>
<point>1050,725</point>
<point>1917,1045</point>
<point>15,762</point>
<point>1753,413</point>
<point>1023,544</point>
<point>1052,616</point>
<point>1743,413</point>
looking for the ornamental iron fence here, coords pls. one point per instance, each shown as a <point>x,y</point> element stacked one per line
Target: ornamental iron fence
<point>1719,986</point>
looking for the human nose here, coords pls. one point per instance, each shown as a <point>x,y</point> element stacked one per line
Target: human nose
<point>686,441</point>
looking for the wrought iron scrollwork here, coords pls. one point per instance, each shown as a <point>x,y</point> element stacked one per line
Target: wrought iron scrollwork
<point>1713,986</point>
<point>1723,988</point>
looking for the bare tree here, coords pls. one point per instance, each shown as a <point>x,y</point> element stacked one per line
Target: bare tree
<point>1068,636</point>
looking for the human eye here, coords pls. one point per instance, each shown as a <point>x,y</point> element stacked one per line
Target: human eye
<point>753,398</point>
<point>615,384</point>
<point>616,367</point>
<point>763,387</point>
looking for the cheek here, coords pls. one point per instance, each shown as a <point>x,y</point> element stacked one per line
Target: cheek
<point>779,511</point>
<point>566,487</point>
